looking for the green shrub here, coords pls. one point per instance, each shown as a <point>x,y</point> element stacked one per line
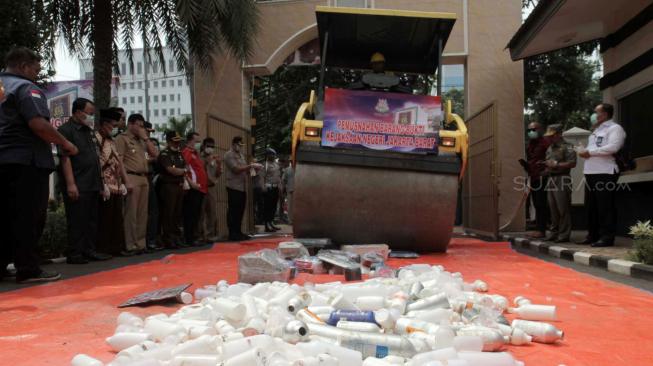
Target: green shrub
<point>54,239</point>
<point>643,242</point>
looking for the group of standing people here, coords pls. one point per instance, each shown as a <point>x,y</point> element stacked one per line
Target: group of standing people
<point>550,160</point>
<point>122,195</point>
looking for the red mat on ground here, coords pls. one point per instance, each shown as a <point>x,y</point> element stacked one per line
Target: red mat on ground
<point>605,323</point>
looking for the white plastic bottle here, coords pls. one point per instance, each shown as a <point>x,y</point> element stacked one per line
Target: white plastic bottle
<point>541,332</point>
<point>535,312</point>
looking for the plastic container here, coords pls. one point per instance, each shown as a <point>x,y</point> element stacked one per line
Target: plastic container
<point>493,340</point>
<point>195,360</point>
<point>541,332</point>
<point>358,326</point>
<point>468,343</point>
<point>127,318</point>
<point>252,357</point>
<point>352,316</point>
<point>436,301</point>
<point>231,310</point>
<point>85,360</point>
<point>535,312</point>
<point>370,302</point>
<point>120,341</point>
<point>487,358</point>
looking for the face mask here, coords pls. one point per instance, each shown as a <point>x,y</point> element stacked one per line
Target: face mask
<point>90,120</point>
<point>533,135</point>
<point>237,148</point>
<point>174,148</point>
<point>198,145</point>
<point>209,150</point>
<point>115,131</point>
<point>593,119</point>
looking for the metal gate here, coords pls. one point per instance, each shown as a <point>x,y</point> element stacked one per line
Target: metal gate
<point>223,131</point>
<point>480,184</point>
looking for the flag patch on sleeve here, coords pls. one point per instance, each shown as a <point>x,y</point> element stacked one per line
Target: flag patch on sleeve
<point>36,94</point>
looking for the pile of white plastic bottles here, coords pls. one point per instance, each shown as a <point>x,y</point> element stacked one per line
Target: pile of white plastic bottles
<point>423,316</point>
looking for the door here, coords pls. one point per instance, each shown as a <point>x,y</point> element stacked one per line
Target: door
<point>480,188</point>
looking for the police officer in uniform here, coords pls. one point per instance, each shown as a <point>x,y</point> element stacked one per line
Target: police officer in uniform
<point>172,167</point>
<point>560,159</point>
<point>25,165</point>
<point>272,177</point>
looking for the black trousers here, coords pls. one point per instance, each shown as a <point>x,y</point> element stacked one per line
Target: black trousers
<point>192,209</point>
<point>111,231</point>
<point>236,201</point>
<point>171,197</point>
<point>540,201</point>
<point>271,201</point>
<point>82,219</point>
<point>600,191</point>
<point>23,209</point>
<point>152,215</point>
<point>259,205</point>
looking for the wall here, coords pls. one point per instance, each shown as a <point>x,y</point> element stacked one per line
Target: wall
<point>492,76</point>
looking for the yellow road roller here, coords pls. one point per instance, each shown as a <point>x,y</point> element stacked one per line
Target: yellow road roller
<point>374,161</point>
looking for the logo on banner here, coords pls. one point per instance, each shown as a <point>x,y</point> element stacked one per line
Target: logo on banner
<point>382,106</point>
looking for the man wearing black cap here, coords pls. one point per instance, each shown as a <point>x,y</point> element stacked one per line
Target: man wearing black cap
<point>172,168</point>
<point>236,173</point>
<point>83,178</point>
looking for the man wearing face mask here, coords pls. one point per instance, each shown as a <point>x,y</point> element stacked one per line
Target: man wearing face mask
<point>135,148</point>
<point>84,183</point>
<point>213,167</point>
<point>172,168</point>
<point>236,172</point>
<point>198,182</point>
<point>111,232</point>
<point>601,175</point>
<point>536,155</point>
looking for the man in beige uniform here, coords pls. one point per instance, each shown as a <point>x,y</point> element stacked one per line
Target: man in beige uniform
<point>209,216</point>
<point>134,149</point>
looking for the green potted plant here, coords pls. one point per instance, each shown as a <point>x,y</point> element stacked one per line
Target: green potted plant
<point>642,234</point>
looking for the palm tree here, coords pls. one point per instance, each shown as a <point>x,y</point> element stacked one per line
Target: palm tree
<point>195,30</point>
<point>181,125</point>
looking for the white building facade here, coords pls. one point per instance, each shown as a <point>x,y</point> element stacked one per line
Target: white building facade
<point>167,88</point>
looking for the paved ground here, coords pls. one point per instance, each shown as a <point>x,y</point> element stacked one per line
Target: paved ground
<point>621,249</point>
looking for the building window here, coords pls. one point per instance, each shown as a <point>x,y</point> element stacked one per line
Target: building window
<point>124,100</point>
<point>156,113</point>
<point>156,99</point>
<point>139,68</point>
<point>131,112</point>
<point>172,111</point>
<point>172,97</point>
<point>131,85</point>
<point>89,75</point>
<point>164,112</point>
<point>148,99</point>
<point>179,97</point>
<point>124,86</point>
<point>155,68</point>
<point>178,110</point>
<point>140,85</point>
<point>140,99</point>
<point>123,68</point>
<point>179,82</point>
<point>132,100</point>
<point>186,82</point>
<point>156,84</point>
<point>353,3</point>
<point>178,68</point>
<point>163,98</point>
<point>171,66</point>
<point>164,84</point>
<point>140,112</point>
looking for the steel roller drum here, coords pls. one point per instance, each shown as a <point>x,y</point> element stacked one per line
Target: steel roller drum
<point>356,201</point>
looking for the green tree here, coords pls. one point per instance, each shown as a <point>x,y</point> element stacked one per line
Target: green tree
<point>181,125</point>
<point>561,86</point>
<point>457,98</point>
<point>24,25</point>
<point>195,30</point>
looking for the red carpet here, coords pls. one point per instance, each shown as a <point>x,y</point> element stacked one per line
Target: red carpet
<point>605,323</point>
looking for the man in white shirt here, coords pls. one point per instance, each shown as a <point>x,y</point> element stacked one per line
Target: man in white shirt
<point>601,175</point>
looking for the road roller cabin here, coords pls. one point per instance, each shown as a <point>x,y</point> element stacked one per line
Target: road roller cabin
<point>374,162</point>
